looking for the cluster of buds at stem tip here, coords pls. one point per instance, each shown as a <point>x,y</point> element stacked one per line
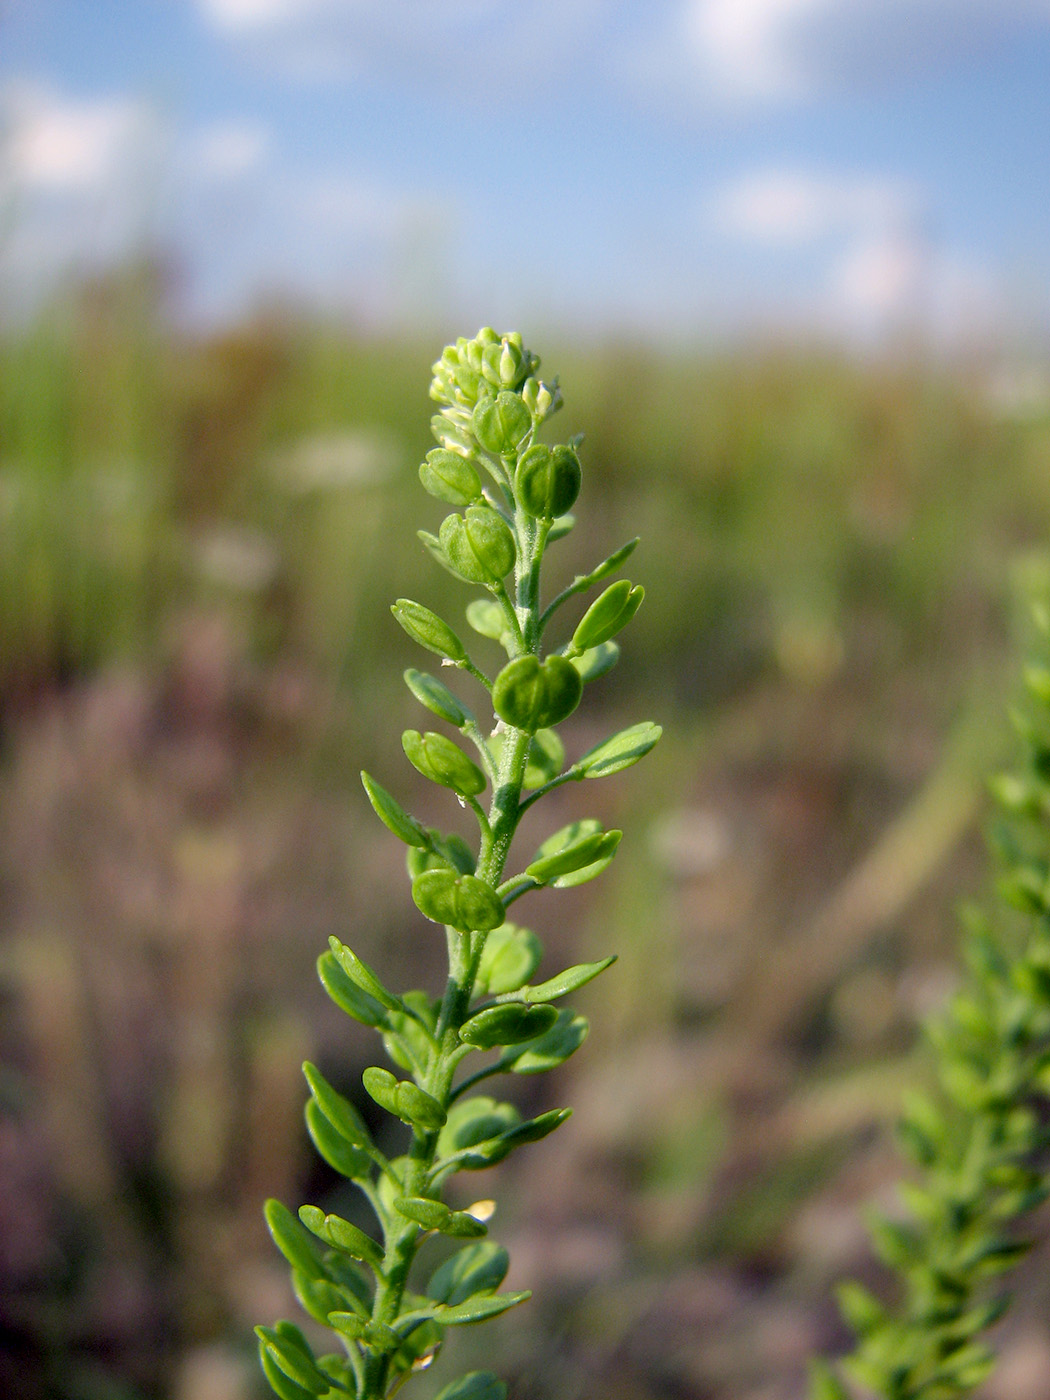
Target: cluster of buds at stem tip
<point>511,496</point>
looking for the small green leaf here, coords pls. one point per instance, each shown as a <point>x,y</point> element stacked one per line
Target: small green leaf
<point>347,995</point>
<point>461,901</point>
<point>341,1234</point>
<point>620,751</point>
<point>510,956</point>
<point>477,1269</point>
<point>392,814</point>
<point>446,853</point>
<point>348,1324</point>
<point>565,983</point>
<point>292,1240</point>
<point>437,698</point>
<point>381,1086</point>
<point>478,1308</point>
<point>548,1051</point>
<point>509,1024</point>
<point>362,975</point>
<point>475,1385</point>
<point>426,628</point>
<point>562,526</point>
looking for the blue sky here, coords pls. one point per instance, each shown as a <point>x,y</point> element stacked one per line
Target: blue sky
<point>698,168</point>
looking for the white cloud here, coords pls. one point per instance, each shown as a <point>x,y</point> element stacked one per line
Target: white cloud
<point>246,15</point>
<point>58,144</point>
<point>794,206</point>
<point>764,51</point>
<point>230,149</point>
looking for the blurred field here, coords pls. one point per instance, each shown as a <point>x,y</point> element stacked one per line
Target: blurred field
<point>199,540</point>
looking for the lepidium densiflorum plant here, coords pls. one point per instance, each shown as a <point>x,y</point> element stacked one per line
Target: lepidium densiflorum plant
<point>978,1140</point>
<point>389,1294</point>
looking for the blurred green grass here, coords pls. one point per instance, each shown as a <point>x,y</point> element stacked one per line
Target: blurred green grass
<point>199,540</point>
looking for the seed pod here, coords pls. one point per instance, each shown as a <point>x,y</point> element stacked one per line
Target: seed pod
<point>608,614</point>
<point>450,477</point>
<point>531,694</point>
<point>502,422</point>
<point>442,761</point>
<point>428,630</point>
<point>437,697</point>
<point>547,480</point>
<point>510,1024</point>
<point>479,546</point>
<point>575,855</point>
<point>462,901</point>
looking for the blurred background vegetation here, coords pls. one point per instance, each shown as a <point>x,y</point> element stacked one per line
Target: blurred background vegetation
<point>200,536</point>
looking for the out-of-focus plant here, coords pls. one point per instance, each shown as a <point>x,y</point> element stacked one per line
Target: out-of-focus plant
<point>978,1141</point>
<point>387,1308</point>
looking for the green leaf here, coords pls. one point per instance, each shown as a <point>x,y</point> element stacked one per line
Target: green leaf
<point>530,694</point>
<point>859,1306</point>
<point>292,1356</point>
<point>478,1308</point>
<point>347,995</point>
<point>562,526</point>
<point>571,980</point>
<point>362,975</point>
<point>393,815</point>
<point>508,1024</point>
<point>476,1385</point>
<point>621,751</point>
<point>477,1269</point>
<point>595,661</point>
<point>569,851</point>
<point>426,628</point>
<point>341,1234</point>
<point>437,698</point>
<point>548,1051</point>
<point>608,614</point>
<point>292,1240</point>
<point>461,901</point>
<point>341,1156</point>
<point>446,853</point>
<point>475,1120</point>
